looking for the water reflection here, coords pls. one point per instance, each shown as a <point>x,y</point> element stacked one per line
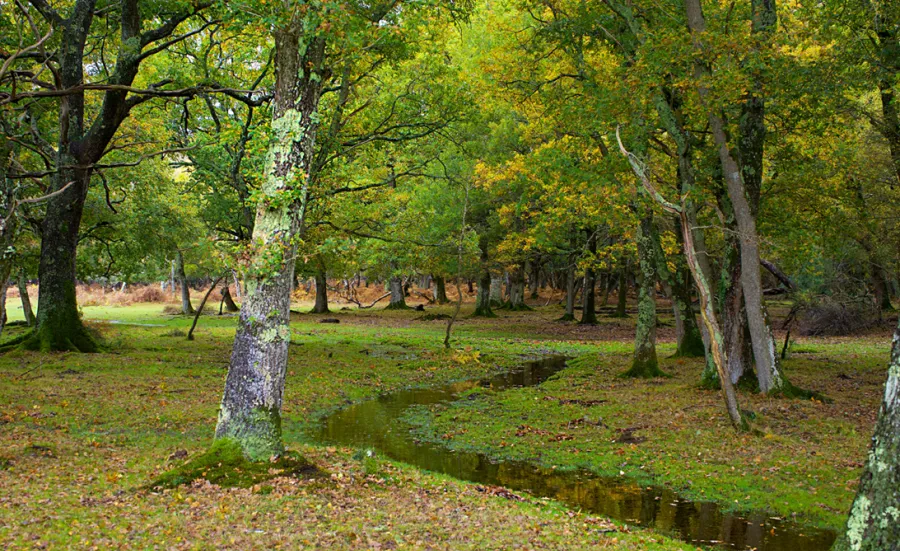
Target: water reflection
<point>372,424</point>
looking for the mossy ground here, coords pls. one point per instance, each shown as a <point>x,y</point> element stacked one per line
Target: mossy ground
<point>81,434</point>
<point>224,464</point>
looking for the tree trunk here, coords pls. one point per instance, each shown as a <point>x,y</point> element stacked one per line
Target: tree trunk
<point>230,306</point>
<point>483,301</point>
<point>644,363</point>
<point>398,300</point>
<point>570,291</point>
<point>872,524</point>
<point>470,286</point>
<point>186,307</point>
<point>497,291</point>
<point>589,301</point>
<point>534,279</point>
<point>59,326</point>
<point>517,289</point>
<point>767,371</point>
<point>688,338</point>
<point>440,290</point>
<point>882,292</point>
<point>693,252</point>
<point>321,306</point>
<point>26,300</point>
<point>622,304</point>
<point>250,413</point>
<point>4,285</point>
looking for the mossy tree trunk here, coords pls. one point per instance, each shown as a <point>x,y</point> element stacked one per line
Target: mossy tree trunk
<point>186,307</point>
<point>588,294</point>
<point>250,413</point>
<point>694,251</point>
<point>26,300</point>
<point>874,520</point>
<point>645,363</point>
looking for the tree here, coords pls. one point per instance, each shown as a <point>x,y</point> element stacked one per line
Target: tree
<point>872,524</point>
<point>84,134</point>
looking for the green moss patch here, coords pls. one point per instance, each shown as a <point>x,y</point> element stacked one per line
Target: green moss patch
<point>225,465</point>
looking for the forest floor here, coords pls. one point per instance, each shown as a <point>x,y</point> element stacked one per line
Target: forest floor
<point>80,435</point>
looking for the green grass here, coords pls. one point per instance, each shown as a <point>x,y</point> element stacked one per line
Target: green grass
<point>80,435</point>
<point>804,462</point>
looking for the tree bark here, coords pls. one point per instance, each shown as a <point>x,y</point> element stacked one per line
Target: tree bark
<point>186,307</point>
<point>873,521</point>
<point>395,286</point>
<point>26,300</point>
<point>645,363</point>
<point>497,290</point>
<point>321,306</point>
<point>440,290</point>
<point>534,279</point>
<point>588,294</point>
<point>517,289</point>
<point>230,306</point>
<point>250,413</point>
<point>483,301</point>
<point>622,303</point>
<point>570,291</point>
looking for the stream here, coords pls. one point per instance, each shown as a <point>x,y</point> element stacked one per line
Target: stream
<point>374,424</point>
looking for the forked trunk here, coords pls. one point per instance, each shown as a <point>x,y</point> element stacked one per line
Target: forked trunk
<point>767,371</point>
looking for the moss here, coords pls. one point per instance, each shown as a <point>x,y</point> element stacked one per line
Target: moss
<point>258,432</point>
<point>484,312</point>
<point>224,464</point>
<point>645,369</point>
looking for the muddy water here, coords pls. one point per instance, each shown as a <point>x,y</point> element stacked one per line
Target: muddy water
<point>373,424</point>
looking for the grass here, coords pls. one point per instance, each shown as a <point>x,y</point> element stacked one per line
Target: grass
<point>804,461</point>
<point>81,436</point>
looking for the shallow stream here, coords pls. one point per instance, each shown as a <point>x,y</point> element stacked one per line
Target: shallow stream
<point>374,424</point>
